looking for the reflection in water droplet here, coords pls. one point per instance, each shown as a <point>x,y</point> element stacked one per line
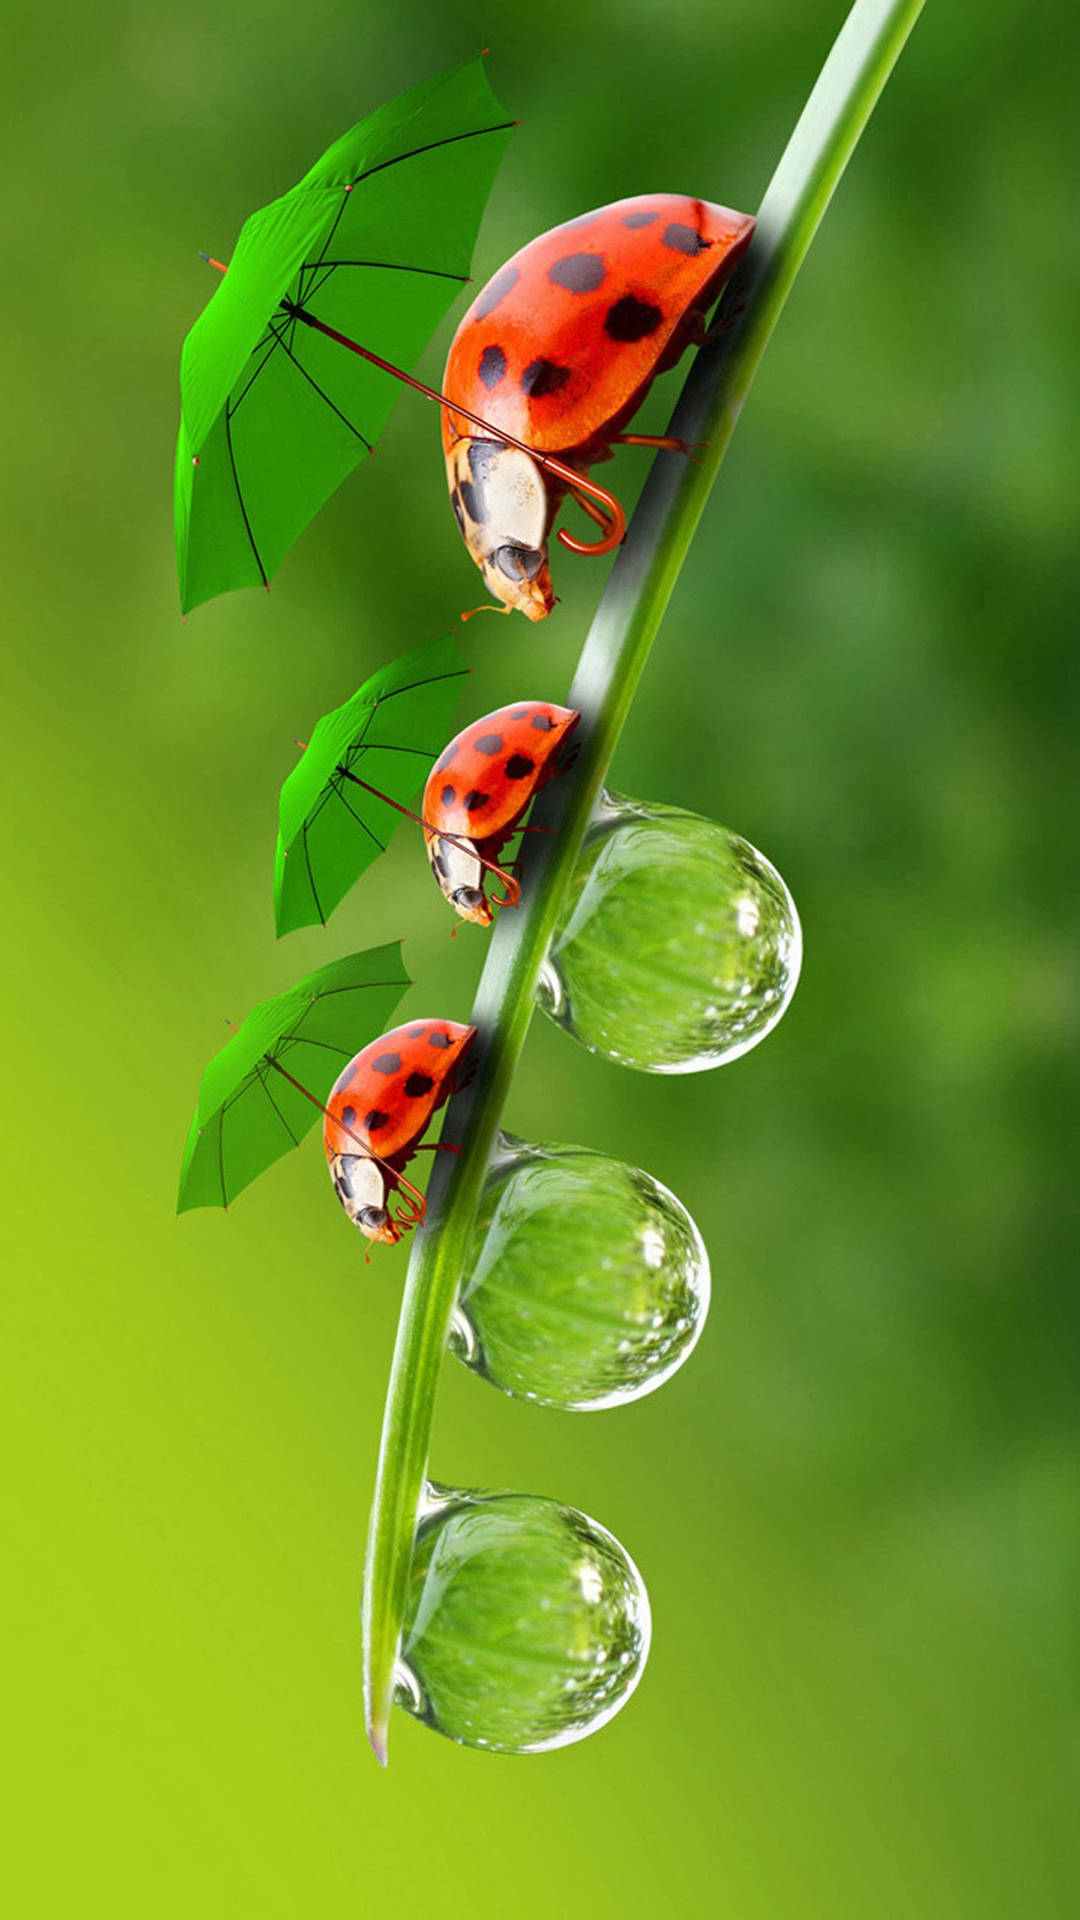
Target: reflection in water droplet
<point>679,947</point>
<point>587,1283</point>
<point>527,1624</point>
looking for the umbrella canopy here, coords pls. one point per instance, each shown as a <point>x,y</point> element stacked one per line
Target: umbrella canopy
<point>331,824</point>
<point>265,1089</point>
<point>376,240</point>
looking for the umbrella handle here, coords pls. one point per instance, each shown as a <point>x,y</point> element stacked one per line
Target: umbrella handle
<point>394,1177</point>
<point>572,480</point>
<point>455,839</point>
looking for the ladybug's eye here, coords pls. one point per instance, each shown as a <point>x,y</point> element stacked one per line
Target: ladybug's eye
<point>373,1217</point>
<point>518,563</point>
<point>468,898</point>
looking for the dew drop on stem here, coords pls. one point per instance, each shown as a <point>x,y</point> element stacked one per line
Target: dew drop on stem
<point>586,1284</point>
<point>678,947</point>
<point>527,1624</point>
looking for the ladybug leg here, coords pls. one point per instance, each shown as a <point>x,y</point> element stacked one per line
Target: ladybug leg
<point>669,441</point>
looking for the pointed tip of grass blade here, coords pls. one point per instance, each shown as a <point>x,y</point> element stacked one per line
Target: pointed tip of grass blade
<point>377,1737</point>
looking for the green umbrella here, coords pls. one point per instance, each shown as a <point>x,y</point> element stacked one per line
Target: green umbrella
<point>260,1094</point>
<point>379,236</point>
<point>342,800</point>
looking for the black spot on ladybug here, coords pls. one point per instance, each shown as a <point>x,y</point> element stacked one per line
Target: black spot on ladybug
<point>542,723</point>
<point>459,512</point>
<point>444,759</point>
<point>518,766</point>
<point>640,219</point>
<point>481,455</point>
<point>542,377</point>
<point>474,800</point>
<point>492,366</point>
<point>418,1083</point>
<point>632,319</point>
<point>348,1115</point>
<point>489,743</point>
<point>441,864</point>
<point>683,239</point>
<point>416,1033</point>
<point>374,1120</point>
<point>578,272</point>
<point>473,502</point>
<point>439,1039</point>
<point>519,713</point>
<point>387,1063</point>
<point>497,289</point>
<point>448,796</point>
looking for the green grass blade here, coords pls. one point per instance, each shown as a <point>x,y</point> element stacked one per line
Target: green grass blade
<point>615,652</point>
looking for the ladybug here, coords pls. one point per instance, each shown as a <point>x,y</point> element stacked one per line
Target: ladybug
<point>478,792</point>
<point>377,1110</point>
<point>557,354</point>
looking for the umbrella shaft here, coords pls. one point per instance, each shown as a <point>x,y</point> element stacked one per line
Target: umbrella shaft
<point>362,1144</point>
<point>455,839</point>
<point>569,476</point>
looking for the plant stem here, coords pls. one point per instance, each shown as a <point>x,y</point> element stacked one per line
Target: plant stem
<point>608,672</point>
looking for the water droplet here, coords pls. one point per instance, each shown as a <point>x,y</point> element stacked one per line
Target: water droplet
<point>586,1284</point>
<point>679,947</point>
<point>527,1624</point>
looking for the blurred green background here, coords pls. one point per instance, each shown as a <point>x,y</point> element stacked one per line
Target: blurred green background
<point>857,1508</point>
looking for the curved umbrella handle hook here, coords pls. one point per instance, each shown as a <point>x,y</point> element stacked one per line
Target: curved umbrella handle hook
<point>577,483</point>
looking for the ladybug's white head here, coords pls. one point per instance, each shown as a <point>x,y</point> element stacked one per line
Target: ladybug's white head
<point>360,1185</point>
<point>460,876</point>
<point>500,503</point>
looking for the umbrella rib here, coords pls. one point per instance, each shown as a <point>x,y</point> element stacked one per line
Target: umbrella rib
<point>304,1040</point>
<point>300,368</point>
<point>334,224</point>
<point>313,286</point>
<point>391,266</point>
<point>474,133</point>
<point>372,835</point>
<point>271,342</point>
<point>221,1157</point>
<point>240,494</point>
<point>459,673</point>
<point>311,876</point>
<point>385,746</point>
<point>329,792</point>
<point>265,1085</point>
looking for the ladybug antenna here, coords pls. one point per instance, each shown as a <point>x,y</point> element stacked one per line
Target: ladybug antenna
<point>489,606</point>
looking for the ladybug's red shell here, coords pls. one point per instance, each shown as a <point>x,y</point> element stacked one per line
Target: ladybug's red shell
<point>490,771</point>
<point>388,1093</point>
<point>560,346</point>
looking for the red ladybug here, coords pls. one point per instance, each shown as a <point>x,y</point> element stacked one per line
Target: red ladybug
<point>478,792</point>
<point>376,1113</point>
<point>558,353</point>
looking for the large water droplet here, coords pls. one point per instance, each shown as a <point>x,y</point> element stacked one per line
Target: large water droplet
<point>679,946</point>
<point>527,1624</point>
<point>587,1282</point>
